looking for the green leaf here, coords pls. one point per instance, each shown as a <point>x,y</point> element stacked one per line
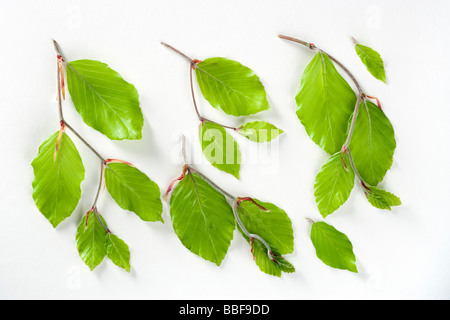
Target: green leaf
<point>56,184</point>
<point>118,251</point>
<point>230,86</point>
<point>333,247</point>
<point>105,101</point>
<point>202,218</point>
<point>372,143</point>
<point>259,131</point>
<point>220,148</point>
<point>333,185</point>
<point>372,60</point>
<point>325,103</point>
<point>91,240</point>
<point>382,199</point>
<point>134,191</point>
<point>275,227</point>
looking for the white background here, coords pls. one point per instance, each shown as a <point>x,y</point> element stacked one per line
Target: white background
<point>403,254</point>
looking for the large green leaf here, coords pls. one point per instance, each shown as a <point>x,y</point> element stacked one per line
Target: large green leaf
<point>373,143</point>
<point>274,226</point>
<point>325,103</point>
<point>230,86</point>
<point>105,101</point>
<point>333,185</point>
<point>259,131</point>
<point>333,247</point>
<point>118,251</point>
<point>91,240</point>
<point>56,184</point>
<point>202,218</point>
<point>220,148</point>
<point>372,60</point>
<point>382,199</point>
<point>134,191</point>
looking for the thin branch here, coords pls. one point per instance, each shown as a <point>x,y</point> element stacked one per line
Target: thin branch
<point>193,95</point>
<point>251,236</point>
<point>85,142</point>
<point>313,47</point>
<point>102,170</point>
<point>58,49</point>
<point>100,220</point>
<point>192,170</point>
<point>352,126</point>
<point>191,61</point>
<point>58,77</point>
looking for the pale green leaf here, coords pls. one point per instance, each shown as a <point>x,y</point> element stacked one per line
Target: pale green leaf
<point>220,148</point>
<point>373,143</point>
<point>372,60</point>
<point>105,101</point>
<point>274,226</point>
<point>134,191</point>
<point>202,218</point>
<point>118,251</point>
<point>259,131</point>
<point>382,199</point>
<point>91,240</point>
<point>333,185</point>
<point>56,184</point>
<point>325,103</point>
<point>333,247</point>
<point>231,87</point>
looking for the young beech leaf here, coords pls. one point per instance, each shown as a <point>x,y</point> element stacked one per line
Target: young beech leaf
<point>91,240</point>
<point>382,199</point>
<point>372,60</point>
<point>57,179</point>
<point>333,247</point>
<point>259,131</point>
<point>230,86</point>
<point>275,227</point>
<point>118,251</point>
<point>105,101</point>
<point>134,191</point>
<point>220,148</point>
<point>373,143</point>
<point>202,218</point>
<point>333,185</point>
<point>325,103</point>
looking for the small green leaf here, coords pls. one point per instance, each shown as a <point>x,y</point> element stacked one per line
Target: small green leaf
<point>220,148</point>
<point>372,143</point>
<point>259,131</point>
<point>333,185</point>
<point>56,184</point>
<point>231,87</point>
<point>134,191</point>
<point>202,218</point>
<point>118,251</point>
<point>372,60</point>
<point>325,103</point>
<point>105,101</point>
<point>382,199</point>
<point>91,240</point>
<point>333,247</point>
<point>274,226</point>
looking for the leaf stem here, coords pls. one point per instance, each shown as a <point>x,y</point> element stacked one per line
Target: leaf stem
<point>313,47</point>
